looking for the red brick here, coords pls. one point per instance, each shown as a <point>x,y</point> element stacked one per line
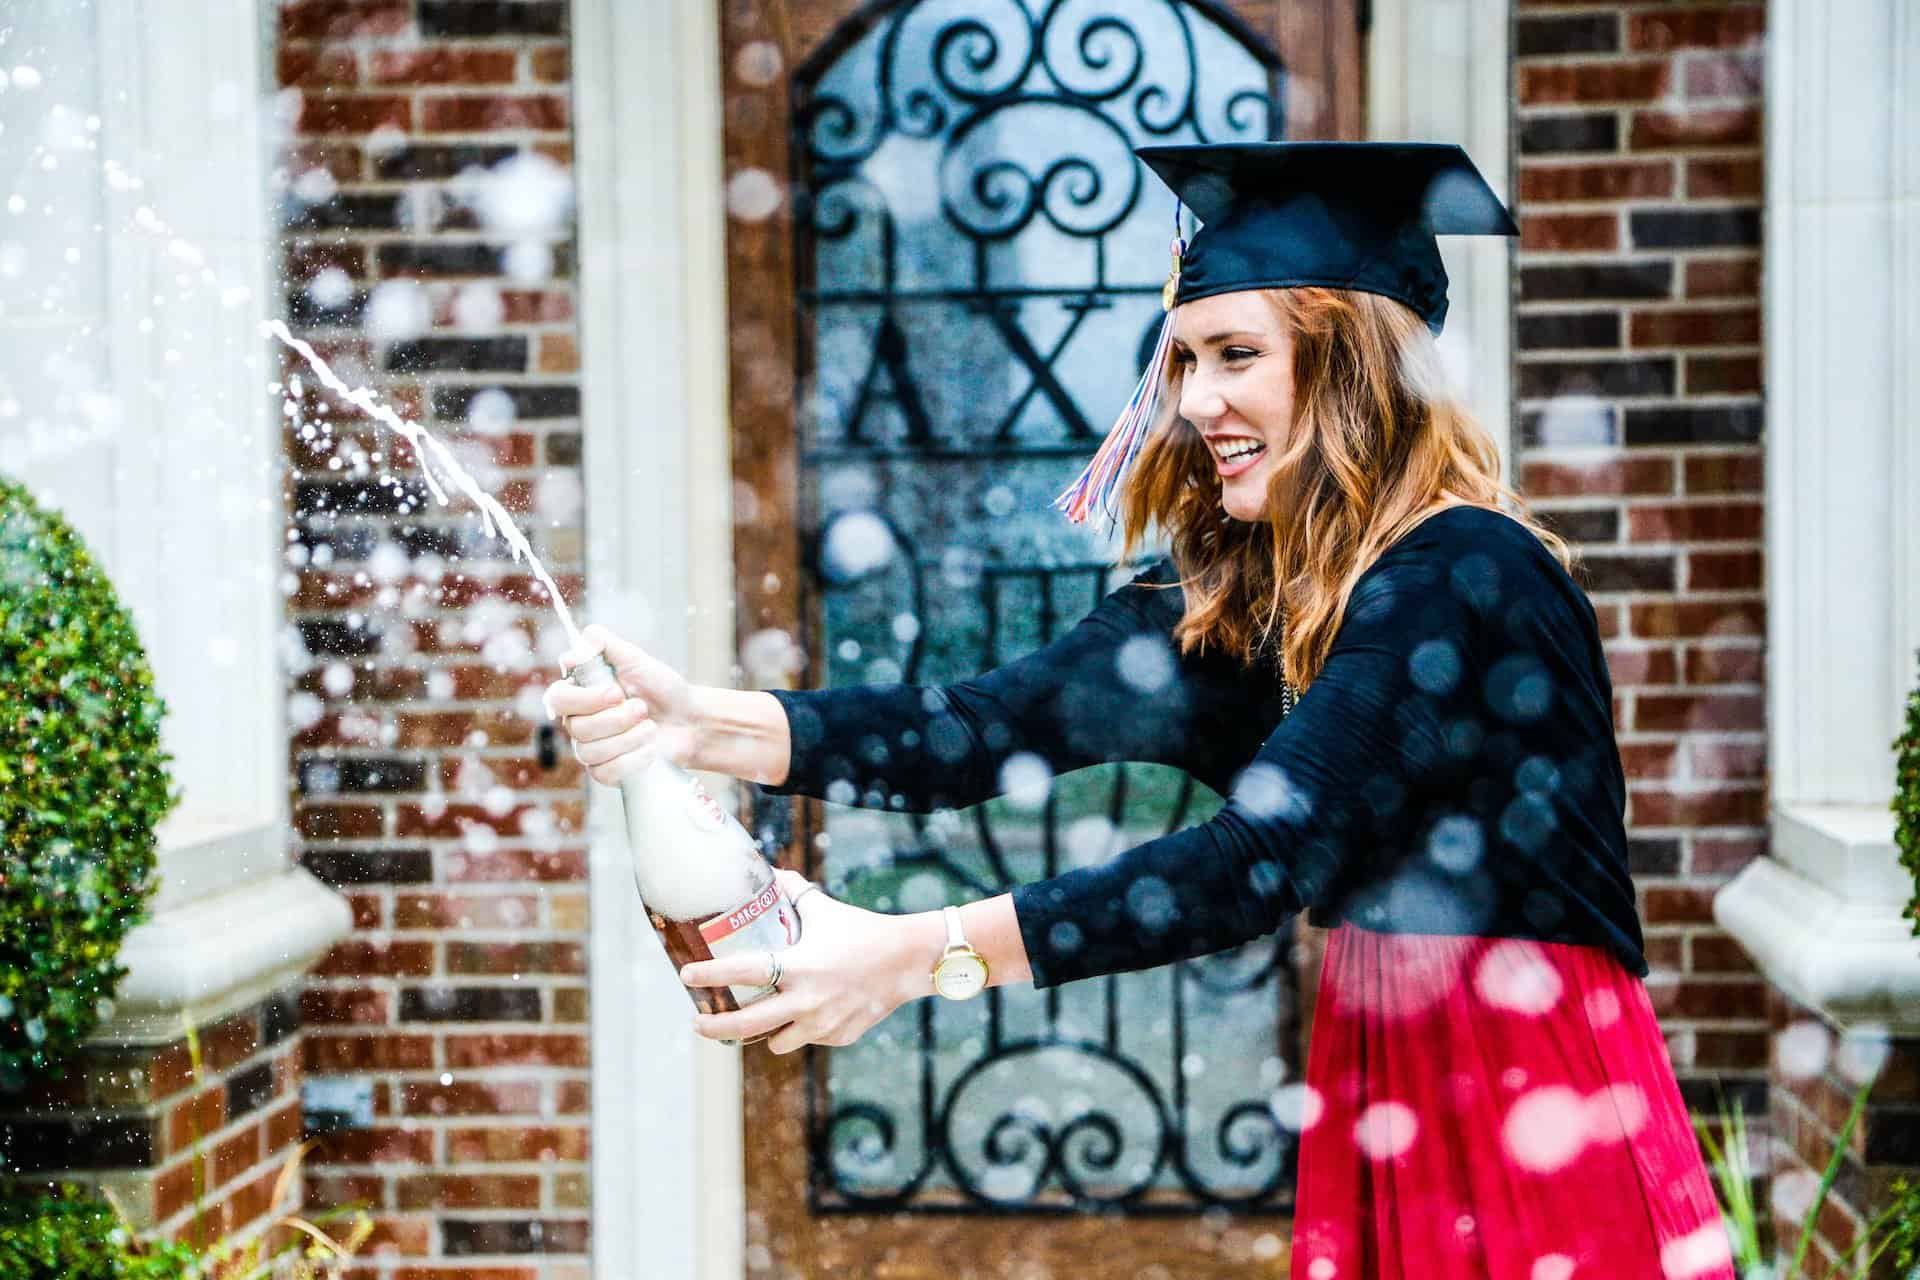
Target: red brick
<point>373,1146</point>
<point>1648,760</point>
<point>1694,327</point>
<point>1717,953</point>
<point>465,911</point>
<point>338,821</point>
<point>528,306</point>
<point>308,66</point>
<point>1725,664</point>
<point>1723,278</point>
<point>342,19</point>
<point>519,957</point>
<point>518,772</point>
<point>173,1188</point>
<point>1735,806</point>
<point>332,1006</point>
<point>1666,620</point>
<point>371,1051</point>
<point>369,957</point>
<point>470,1191</point>
<point>549,64</point>
<point>1698,712</point>
<point>515,1050</point>
<point>340,729</point>
<point>1723,759</point>
<point>456,819</point>
<point>235,1154</point>
<point>197,1118</point>
<point>1625,180</point>
<point>1695,522</point>
<point>369,910</point>
<point>229,1041</point>
<point>481,113</point>
<point>443,65</point>
<point>458,729</point>
<point>1724,571</point>
<point>515,865</point>
<point>558,354</point>
<point>1721,1000</point>
<point>340,1190</point>
<point>470,1097</point>
<point>1726,75</point>
<point>1663,951</point>
<point>1718,27</point>
<point>1678,903</point>
<point>1724,855</point>
<point>1611,476</point>
<point>1725,473</point>
<point>573,1098</point>
<point>1570,232</point>
<point>508,1145</point>
<point>1661,130</point>
<point>353,113</point>
<point>1641,665</point>
<point>1722,375</point>
<point>1719,177</point>
<point>401,1237</point>
<point>283,1126</point>
<point>1592,82</point>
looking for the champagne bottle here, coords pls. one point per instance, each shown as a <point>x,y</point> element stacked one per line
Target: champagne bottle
<point>703,882</point>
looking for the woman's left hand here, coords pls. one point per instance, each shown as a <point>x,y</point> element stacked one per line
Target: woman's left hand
<point>850,969</point>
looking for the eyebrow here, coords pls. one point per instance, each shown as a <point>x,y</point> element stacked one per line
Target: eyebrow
<point>1214,340</point>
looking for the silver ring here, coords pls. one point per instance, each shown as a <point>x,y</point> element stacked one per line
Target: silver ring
<point>812,886</point>
<point>775,970</point>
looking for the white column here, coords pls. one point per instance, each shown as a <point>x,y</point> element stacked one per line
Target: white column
<point>1438,71</point>
<point>668,1179</point>
<point>1822,916</point>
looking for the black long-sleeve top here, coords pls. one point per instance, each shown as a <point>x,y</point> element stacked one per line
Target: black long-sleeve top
<point>1451,770</point>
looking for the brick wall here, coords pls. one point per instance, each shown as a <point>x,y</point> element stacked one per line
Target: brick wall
<point>189,1153</point>
<point>1814,1077</point>
<point>1638,376</point>
<point>426,788</point>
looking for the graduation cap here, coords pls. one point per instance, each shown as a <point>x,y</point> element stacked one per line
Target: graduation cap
<point>1276,215</point>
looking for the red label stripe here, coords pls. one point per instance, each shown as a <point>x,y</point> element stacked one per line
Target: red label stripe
<point>738,919</point>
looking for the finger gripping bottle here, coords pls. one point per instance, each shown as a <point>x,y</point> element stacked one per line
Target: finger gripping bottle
<point>701,876</point>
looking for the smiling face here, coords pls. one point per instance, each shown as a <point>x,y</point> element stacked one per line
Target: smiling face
<point>1236,366</point>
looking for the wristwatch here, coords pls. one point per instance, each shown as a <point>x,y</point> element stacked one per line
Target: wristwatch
<point>961,972</point>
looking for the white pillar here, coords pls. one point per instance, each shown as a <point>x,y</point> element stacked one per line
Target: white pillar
<point>668,1177</point>
<point>1438,71</point>
<point>1822,915</point>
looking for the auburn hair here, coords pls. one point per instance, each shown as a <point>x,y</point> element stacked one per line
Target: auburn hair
<point>1376,438</point>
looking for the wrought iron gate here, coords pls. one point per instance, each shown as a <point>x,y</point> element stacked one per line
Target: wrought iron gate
<point>980,271</point>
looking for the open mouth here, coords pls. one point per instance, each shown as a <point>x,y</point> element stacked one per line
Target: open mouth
<point>1235,454</point>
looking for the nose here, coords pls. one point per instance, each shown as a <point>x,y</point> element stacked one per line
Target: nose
<point>1200,403</point>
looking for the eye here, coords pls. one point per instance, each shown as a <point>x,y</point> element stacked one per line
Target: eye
<point>1182,359</point>
<point>1233,355</point>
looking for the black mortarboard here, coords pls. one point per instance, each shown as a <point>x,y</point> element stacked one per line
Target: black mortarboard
<point>1276,215</point>
<point>1346,215</point>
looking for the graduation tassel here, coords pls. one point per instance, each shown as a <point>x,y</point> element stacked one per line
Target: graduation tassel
<point>1100,482</point>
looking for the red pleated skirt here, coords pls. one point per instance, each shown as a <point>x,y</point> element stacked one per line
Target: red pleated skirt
<point>1494,1109</point>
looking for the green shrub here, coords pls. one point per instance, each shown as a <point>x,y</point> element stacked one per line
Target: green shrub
<point>83,782</point>
<point>1906,800</point>
<point>61,1234</point>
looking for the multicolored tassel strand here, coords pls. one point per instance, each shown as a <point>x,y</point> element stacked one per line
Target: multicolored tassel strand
<point>1100,482</point>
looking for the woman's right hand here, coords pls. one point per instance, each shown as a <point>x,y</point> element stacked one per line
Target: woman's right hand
<point>646,710</point>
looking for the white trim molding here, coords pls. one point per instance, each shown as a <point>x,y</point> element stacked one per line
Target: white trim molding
<point>668,1167</point>
<point>221,952</point>
<point>1822,915</point>
<point>1438,71</point>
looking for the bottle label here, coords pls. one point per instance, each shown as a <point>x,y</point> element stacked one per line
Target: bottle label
<point>767,922</point>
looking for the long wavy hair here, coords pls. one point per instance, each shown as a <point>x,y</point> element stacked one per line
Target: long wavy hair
<point>1377,437</point>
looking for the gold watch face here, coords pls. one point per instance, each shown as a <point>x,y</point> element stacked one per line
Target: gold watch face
<point>960,977</point>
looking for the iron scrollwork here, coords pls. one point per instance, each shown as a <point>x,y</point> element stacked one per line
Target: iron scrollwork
<point>1022,115</point>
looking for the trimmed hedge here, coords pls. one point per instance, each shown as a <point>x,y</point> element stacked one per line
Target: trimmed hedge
<point>63,1234</point>
<point>83,781</point>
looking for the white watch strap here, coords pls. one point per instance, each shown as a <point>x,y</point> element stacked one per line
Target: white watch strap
<point>955,938</point>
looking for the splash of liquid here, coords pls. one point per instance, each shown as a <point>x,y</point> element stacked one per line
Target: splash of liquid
<point>494,516</point>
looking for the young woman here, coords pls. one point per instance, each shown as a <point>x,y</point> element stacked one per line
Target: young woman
<point>1384,664</point>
